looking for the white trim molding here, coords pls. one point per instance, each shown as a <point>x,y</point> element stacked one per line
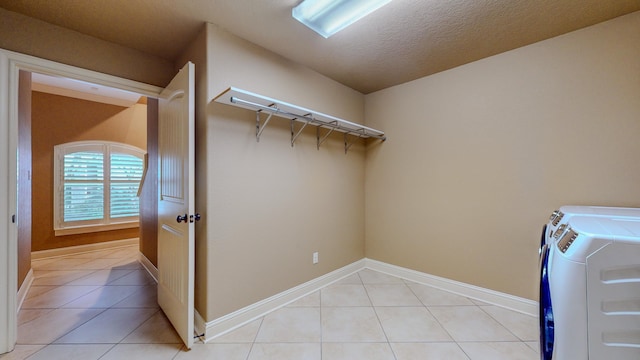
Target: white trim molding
<point>24,289</point>
<point>234,320</point>
<point>223,325</point>
<point>525,306</point>
<point>199,325</point>
<point>79,249</point>
<point>19,61</point>
<point>148,265</point>
<point>8,203</point>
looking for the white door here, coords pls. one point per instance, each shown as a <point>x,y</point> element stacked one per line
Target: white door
<point>176,216</point>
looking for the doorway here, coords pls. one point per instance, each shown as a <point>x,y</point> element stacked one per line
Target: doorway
<point>64,111</point>
<point>54,111</point>
<point>11,64</point>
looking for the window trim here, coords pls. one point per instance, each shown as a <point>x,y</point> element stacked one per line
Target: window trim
<point>85,229</point>
<point>89,226</point>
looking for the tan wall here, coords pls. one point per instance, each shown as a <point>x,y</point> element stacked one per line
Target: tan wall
<point>269,206</point>
<point>479,156</point>
<point>35,37</point>
<point>149,193</point>
<point>24,176</point>
<point>57,120</point>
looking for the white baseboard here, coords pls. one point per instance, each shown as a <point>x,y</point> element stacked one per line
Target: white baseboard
<point>199,325</point>
<point>24,289</point>
<point>515,303</point>
<point>236,319</point>
<point>148,265</point>
<point>71,250</point>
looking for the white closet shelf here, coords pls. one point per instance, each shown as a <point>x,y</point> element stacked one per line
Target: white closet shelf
<point>262,104</point>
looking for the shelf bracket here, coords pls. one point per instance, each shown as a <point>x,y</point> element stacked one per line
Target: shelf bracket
<point>347,144</point>
<point>294,134</point>
<point>322,140</point>
<point>260,128</point>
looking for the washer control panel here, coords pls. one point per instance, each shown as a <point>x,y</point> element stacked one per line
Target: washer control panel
<point>556,216</point>
<point>567,239</point>
<point>559,231</point>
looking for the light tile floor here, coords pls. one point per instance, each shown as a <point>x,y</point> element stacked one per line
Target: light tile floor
<point>102,305</point>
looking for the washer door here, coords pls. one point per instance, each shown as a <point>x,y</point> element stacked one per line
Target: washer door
<point>546,310</point>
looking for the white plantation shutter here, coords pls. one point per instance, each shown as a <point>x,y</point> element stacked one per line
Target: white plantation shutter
<point>83,186</point>
<point>126,174</point>
<point>97,184</point>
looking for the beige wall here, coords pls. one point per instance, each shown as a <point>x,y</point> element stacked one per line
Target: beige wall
<point>269,206</point>
<point>479,156</point>
<point>57,120</point>
<point>38,38</point>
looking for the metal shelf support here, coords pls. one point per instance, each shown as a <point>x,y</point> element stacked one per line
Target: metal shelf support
<point>260,128</point>
<point>322,140</point>
<point>347,144</point>
<point>295,134</point>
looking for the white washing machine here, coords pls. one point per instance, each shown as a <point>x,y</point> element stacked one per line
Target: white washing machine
<point>590,285</point>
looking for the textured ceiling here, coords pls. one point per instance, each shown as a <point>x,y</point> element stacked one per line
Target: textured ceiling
<point>403,41</point>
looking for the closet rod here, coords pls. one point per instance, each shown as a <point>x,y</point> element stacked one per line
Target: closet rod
<point>272,108</point>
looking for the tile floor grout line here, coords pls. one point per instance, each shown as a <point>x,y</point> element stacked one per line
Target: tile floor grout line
<point>447,331</point>
<point>80,296</point>
<point>500,322</point>
<point>379,321</point>
<point>440,323</point>
<point>53,342</point>
<point>106,352</point>
<point>255,338</point>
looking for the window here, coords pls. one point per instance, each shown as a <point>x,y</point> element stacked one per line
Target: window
<point>96,186</point>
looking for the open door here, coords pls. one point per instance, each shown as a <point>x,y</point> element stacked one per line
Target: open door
<point>176,217</point>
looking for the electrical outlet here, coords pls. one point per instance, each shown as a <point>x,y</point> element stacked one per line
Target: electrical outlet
<point>315,257</point>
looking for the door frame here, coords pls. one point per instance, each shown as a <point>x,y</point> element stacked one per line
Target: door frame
<point>10,65</point>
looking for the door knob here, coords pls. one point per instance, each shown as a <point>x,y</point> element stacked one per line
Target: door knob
<point>195,217</point>
<point>181,218</point>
